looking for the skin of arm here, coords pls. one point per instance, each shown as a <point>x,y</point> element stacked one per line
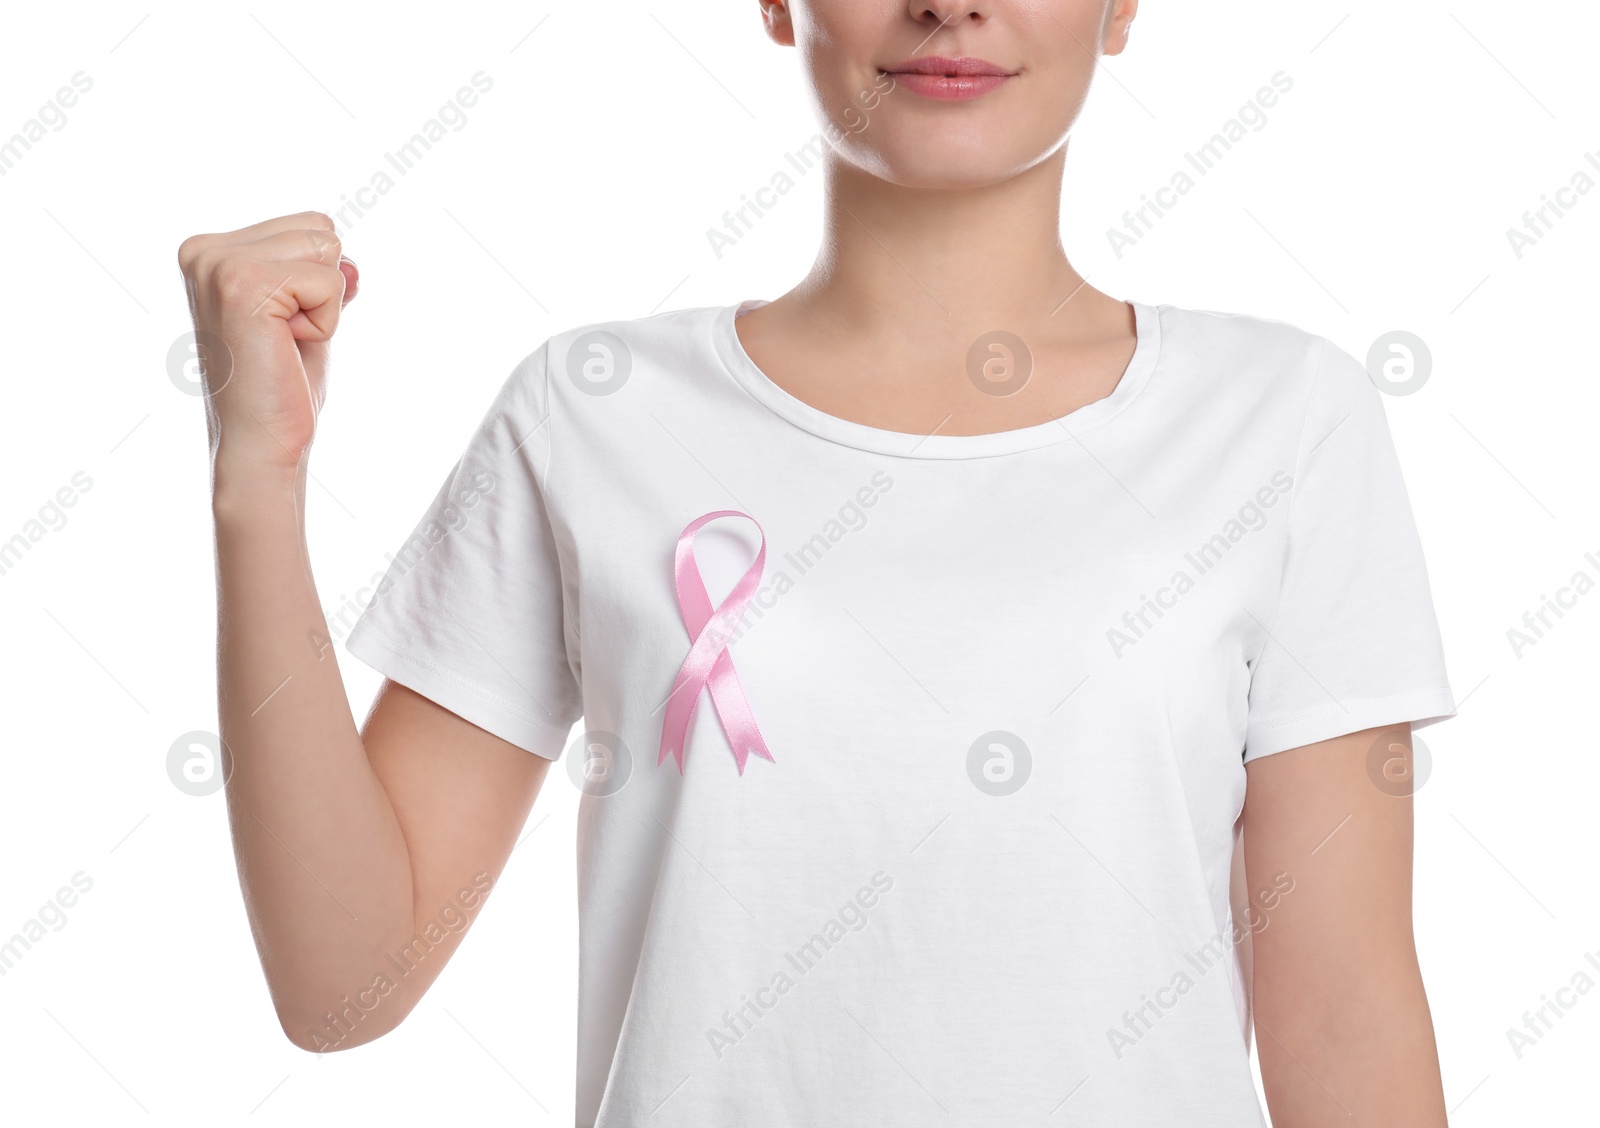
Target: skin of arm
<point>350,844</point>
<point>1342,1023</point>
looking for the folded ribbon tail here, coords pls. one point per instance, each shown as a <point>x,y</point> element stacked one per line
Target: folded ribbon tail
<point>738,719</point>
<point>680,711</point>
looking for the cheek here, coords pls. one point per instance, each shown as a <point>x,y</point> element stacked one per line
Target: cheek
<point>840,44</point>
<point>1058,88</point>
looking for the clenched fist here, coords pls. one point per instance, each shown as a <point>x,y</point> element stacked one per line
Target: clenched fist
<point>266,300</point>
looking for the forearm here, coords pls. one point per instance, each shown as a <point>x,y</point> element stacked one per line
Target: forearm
<point>322,861</point>
<point>1352,1046</point>
<point>1342,1023</point>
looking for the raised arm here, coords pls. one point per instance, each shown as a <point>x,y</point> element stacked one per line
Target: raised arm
<point>362,855</point>
<point>1341,1018</point>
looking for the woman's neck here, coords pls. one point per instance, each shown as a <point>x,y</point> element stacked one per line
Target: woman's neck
<point>889,327</point>
<point>948,263</point>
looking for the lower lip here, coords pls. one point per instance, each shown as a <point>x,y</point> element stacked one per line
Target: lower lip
<point>947,88</point>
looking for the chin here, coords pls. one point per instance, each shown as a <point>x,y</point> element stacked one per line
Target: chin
<point>946,162</point>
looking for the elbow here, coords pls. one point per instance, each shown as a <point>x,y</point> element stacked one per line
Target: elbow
<point>307,1038</point>
<point>343,1028</point>
<point>317,1020</point>
<point>315,1035</point>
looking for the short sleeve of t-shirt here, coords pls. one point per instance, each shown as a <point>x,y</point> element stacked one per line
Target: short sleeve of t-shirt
<point>471,613</point>
<point>1354,640</point>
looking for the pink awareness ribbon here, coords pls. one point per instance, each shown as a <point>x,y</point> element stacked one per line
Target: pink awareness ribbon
<point>708,664</point>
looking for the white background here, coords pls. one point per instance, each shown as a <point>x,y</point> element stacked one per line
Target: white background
<point>1377,197</point>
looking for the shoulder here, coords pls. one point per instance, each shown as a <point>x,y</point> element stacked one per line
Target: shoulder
<point>1241,340</point>
<point>1259,355</point>
<point>598,359</point>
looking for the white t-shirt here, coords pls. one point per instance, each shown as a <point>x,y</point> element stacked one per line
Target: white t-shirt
<point>1009,684</point>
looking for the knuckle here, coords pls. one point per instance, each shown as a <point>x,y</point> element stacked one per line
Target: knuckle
<point>205,260</point>
<point>324,245</point>
<point>235,279</point>
<point>189,252</point>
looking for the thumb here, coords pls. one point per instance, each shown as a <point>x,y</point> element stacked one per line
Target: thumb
<point>352,279</point>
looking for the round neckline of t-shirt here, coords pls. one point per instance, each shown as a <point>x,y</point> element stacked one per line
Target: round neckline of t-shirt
<point>744,370</point>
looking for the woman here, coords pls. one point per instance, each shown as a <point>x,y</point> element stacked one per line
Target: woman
<point>1016,606</point>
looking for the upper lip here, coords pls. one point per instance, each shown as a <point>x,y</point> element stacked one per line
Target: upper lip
<point>939,64</point>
